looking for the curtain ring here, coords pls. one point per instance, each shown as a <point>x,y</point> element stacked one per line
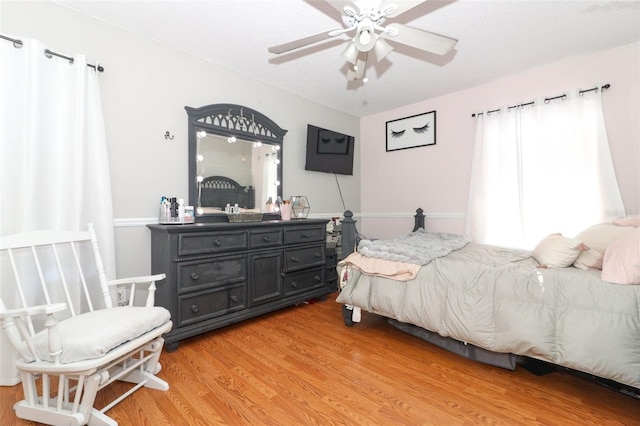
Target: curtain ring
<point>16,42</point>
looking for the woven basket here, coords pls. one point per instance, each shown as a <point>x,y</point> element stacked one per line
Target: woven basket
<point>245,217</point>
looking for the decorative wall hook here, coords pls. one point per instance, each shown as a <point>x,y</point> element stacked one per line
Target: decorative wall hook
<point>168,135</point>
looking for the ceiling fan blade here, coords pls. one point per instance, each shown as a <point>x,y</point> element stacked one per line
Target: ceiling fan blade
<point>305,41</point>
<point>419,39</point>
<point>398,7</point>
<point>340,4</point>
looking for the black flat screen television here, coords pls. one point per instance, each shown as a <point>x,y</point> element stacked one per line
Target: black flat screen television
<point>329,151</point>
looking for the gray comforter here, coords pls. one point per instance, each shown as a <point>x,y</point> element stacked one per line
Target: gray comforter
<point>498,300</point>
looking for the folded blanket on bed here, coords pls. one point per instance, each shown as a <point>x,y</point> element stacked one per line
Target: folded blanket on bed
<point>419,247</point>
<point>400,271</point>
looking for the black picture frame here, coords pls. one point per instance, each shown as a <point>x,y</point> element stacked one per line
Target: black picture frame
<point>411,132</point>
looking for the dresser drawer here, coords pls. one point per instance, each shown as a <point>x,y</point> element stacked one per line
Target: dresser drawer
<point>202,306</point>
<point>304,257</point>
<point>303,281</point>
<point>218,242</point>
<point>194,276</point>
<point>304,235</point>
<point>259,238</point>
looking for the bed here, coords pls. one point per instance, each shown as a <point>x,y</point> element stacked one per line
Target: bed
<point>497,305</point>
<point>218,191</point>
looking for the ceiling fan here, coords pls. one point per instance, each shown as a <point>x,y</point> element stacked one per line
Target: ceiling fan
<point>365,18</point>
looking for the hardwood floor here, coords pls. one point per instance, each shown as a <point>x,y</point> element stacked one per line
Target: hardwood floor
<point>302,366</point>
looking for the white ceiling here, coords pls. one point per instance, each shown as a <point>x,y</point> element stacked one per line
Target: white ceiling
<point>496,38</point>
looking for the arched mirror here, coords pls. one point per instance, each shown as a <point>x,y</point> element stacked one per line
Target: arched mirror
<point>235,157</point>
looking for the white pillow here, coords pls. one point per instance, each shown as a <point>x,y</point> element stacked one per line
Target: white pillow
<point>557,251</point>
<point>597,238</point>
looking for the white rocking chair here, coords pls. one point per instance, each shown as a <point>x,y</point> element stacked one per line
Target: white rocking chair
<point>66,328</point>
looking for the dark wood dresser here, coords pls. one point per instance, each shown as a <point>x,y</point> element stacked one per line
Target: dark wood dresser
<point>222,273</point>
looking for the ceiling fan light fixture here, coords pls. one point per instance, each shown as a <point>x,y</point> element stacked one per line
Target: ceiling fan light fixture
<point>365,40</point>
<point>366,36</point>
<point>350,53</point>
<point>381,49</point>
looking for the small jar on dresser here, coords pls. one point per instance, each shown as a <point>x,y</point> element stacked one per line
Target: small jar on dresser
<point>221,273</point>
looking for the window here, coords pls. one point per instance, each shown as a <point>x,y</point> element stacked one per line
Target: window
<point>541,169</point>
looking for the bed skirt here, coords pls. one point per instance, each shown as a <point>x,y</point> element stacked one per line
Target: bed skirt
<point>496,359</point>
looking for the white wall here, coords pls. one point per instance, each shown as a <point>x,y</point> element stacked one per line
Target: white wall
<point>436,178</point>
<point>145,88</point>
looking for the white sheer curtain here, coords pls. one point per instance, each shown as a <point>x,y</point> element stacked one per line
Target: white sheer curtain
<point>54,170</point>
<point>541,169</point>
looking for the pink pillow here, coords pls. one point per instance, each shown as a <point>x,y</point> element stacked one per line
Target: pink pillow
<point>621,263</point>
<point>628,221</point>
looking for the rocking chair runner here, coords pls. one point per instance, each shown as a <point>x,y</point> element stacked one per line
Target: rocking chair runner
<point>66,328</point>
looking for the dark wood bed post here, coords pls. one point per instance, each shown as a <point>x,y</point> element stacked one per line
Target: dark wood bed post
<point>348,246</point>
<point>348,234</point>
<point>418,221</point>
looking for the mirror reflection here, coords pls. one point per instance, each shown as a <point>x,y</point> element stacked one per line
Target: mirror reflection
<point>235,156</point>
<point>234,171</point>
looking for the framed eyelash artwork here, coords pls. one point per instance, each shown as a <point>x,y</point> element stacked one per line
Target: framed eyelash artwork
<point>411,132</point>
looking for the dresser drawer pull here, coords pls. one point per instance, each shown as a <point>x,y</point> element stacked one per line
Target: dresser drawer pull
<point>217,243</point>
<point>305,235</point>
<point>234,298</point>
<point>317,278</point>
<point>294,284</point>
<point>318,255</point>
<point>294,259</point>
<point>194,276</point>
<point>194,308</point>
<point>266,238</point>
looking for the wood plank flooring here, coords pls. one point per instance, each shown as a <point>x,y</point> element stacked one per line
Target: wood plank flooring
<point>302,366</point>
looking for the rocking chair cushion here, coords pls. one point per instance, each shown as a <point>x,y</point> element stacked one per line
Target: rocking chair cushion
<point>93,334</point>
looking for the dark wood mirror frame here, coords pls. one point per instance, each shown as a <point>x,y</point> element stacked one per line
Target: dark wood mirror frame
<point>230,120</point>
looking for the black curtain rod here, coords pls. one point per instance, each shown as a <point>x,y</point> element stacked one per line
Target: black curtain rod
<point>49,53</point>
<point>546,100</point>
